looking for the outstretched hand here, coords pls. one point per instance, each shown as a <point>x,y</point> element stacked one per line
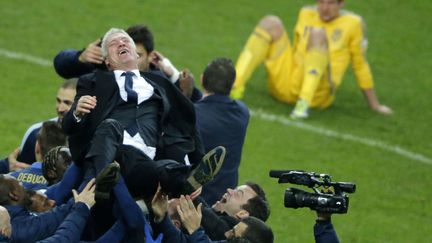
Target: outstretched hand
<point>87,195</point>
<point>14,164</point>
<point>159,205</point>
<point>189,215</point>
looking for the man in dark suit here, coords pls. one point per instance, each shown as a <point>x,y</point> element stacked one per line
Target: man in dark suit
<point>142,121</point>
<point>221,121</point>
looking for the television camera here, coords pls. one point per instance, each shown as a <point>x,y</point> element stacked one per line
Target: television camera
<point>328,196</point>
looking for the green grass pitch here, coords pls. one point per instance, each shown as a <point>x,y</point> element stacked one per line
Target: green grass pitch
<point>389,158</point>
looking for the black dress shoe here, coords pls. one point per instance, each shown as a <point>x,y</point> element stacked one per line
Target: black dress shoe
<point>106,180</point>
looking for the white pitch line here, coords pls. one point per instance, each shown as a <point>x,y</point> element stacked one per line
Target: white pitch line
<point>271,117</point>
<point>343,136</point>
<point>26,57</point>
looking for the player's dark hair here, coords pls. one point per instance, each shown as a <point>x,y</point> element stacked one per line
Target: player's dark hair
<point>50,135</point>
<point>257,206</point>
<point>219,76</point>
<point>141,34</point>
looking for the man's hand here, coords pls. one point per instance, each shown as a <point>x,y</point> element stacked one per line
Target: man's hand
<point>84,106</point>
<point>161,62</point>
<point>92,54</point>
<point>189,215</point>
<point>159,205</point>
<point>187,82</point>
<point>87,195</point>
<point>196,193</point>
<point>14,164</point>
<point>374,104</point>
<point>323,216</point>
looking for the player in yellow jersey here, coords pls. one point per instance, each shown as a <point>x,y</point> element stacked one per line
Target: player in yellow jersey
<point>308,71</point>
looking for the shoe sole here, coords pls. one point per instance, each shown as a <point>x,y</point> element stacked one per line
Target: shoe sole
<point>198,179</point>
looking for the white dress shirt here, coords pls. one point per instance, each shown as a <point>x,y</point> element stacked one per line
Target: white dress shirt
<point>144,91</point>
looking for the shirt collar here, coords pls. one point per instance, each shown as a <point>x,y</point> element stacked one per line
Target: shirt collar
<point>118,73</point>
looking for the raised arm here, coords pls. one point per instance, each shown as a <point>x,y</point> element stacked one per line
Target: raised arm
<point>71,63</point>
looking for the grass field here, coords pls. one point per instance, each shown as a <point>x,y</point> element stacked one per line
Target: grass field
<point>389,158</point>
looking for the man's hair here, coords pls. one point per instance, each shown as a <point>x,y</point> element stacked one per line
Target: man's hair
<point>257,206</point>
<point>69,83</point>
<point>219,76</point>
<point>112,31</point>
<point>57,156</point>
<point>50,135</point>
<point>257,231</point>
<point>141,34</point>
<point>5,188</point>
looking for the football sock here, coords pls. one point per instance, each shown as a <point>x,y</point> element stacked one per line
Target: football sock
<point>315,64</point>
<point>254,53</point>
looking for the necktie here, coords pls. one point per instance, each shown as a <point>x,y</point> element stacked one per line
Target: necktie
<point>132,96</point>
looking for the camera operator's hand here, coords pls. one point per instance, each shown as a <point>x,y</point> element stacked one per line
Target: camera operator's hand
<point>323,216</point>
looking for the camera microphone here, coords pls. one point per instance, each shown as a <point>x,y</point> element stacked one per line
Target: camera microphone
<point>279,173</point>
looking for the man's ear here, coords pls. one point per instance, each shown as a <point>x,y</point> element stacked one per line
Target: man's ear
<point>37,147</point>
<point>242,214</point>
<point>51,175</point>
<point>107,63</point>
<point>13,196</point>
<point>177,223</point>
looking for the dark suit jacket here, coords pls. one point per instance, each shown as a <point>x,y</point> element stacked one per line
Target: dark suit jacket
<point>178,132</point>
<point>222,121</point>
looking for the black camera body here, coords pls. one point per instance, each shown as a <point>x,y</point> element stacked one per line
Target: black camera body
<point>328,196</point>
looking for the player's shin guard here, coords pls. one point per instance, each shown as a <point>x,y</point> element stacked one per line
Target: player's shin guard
<point>254,53</point>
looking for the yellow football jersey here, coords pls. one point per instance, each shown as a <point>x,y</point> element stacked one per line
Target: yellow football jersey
<point>347,43</point>
<point>286,62</point>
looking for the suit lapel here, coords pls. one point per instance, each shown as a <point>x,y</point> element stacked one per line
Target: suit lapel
<point>107,93</point>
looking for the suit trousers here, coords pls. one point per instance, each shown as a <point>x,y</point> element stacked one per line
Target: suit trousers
<point>141,173</point>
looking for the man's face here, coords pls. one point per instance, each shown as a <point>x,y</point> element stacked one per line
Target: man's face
<point>19,194</point>
<point>172,208</point>
<point>236,231</point>
<point>329,9</point>
<point>64,100</point>
<point>143,58</point>
<point>233,200</point>
<point>41,203</point>
<point>121,52</point>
